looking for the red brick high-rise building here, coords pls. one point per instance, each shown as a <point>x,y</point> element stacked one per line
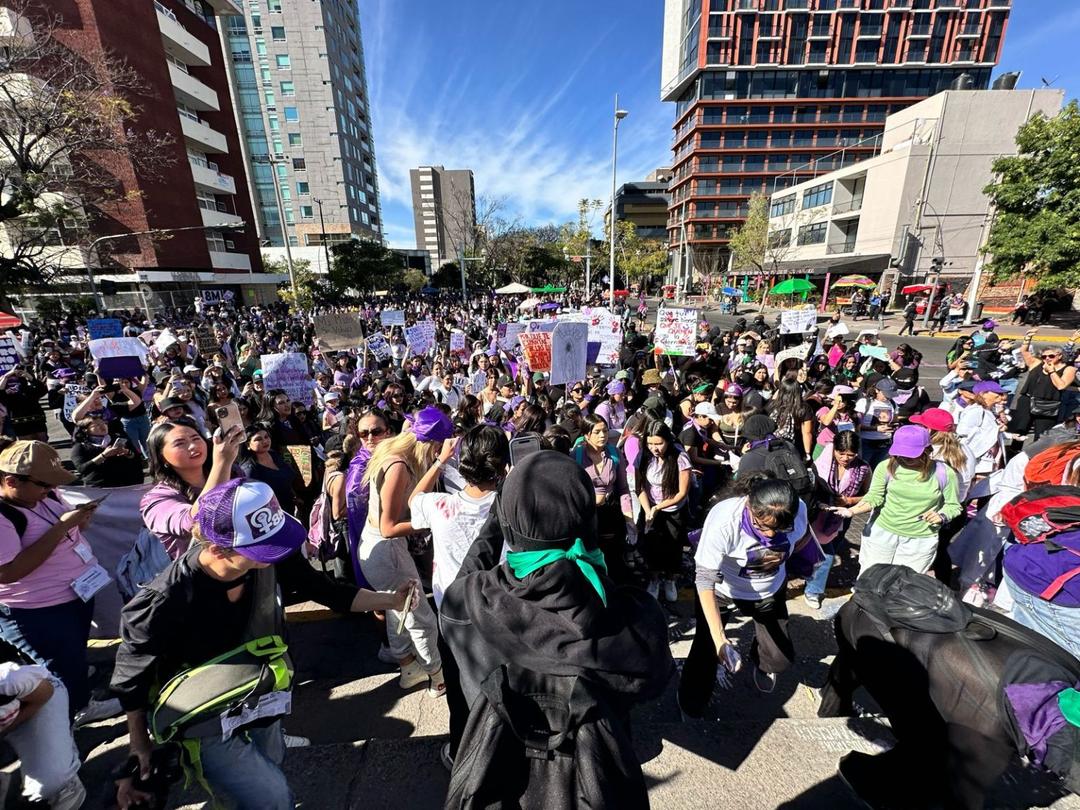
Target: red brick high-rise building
<point>771,92</point>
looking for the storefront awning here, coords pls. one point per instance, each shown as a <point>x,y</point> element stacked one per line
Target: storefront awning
<point>864,265</point>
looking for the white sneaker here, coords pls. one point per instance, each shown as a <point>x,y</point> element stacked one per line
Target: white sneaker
<point>98,710</point>
<point>386,656</point>
<point>412,675</point>
<point>671,593</point>
<point>296,741</point>
<point>437,686</point>
<point>653,588</point>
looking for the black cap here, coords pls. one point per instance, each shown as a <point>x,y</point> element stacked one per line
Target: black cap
<point>758,427</point>
<point>547,501</point>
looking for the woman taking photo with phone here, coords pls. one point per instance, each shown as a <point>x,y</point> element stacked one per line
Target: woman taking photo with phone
<point>663,486</point>
<point>102,460</point>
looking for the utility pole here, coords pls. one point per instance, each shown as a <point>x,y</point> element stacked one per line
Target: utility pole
<point>322,232</point>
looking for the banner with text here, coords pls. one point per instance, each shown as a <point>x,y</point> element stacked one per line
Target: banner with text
<point>536,346</point>
<point>338,331</point>
<point>676,331</point>
<point>104,328</point>
<point>420,337</point>
<point>289,372</point>
<point>797,321</point>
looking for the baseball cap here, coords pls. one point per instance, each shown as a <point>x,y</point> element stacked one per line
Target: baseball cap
<point>934,419</point>
<point>734,390</point>
<point>431,425</point>
<point>505,381</point>
<point>257,374</point>
<point>909,441</point>
<point>244,515</point>
<point>192,369</point>
<point>655,404</point>
<point>989,324</point>
<point>842,390</point>
<point>706,409</point>
<point>539,376</point>
<point>758,426</point>
<point>987,387</point>
<point>886,386</point>
<point>170,402</point>
<point>622,375</point>
<point>332,395</point>
<point>35,460</point>
<point>616,387</point>
<point>967,385</point>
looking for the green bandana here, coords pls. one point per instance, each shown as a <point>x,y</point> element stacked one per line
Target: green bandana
<point>701,389</point>
<point>1069,703</point>
<point>523,563</point>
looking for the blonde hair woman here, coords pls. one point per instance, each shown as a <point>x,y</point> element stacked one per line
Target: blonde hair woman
<point>946,446</point>
<point>395,467</point>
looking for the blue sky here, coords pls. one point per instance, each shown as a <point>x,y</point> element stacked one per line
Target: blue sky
<point>522,92</point>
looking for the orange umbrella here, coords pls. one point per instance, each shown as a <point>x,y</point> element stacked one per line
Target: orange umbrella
<point>9,321</point>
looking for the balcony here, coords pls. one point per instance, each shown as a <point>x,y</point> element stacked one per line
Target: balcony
<point>203,136</point>
<point>225,6</point>
<point>969,32</point>
<point>207,176</point>
<point>215,216</point>
<point>849,206</point>
<point>746,5</point>
<point>919,31</point>
<point>178,41</point>
<point>847,246</point>
<point>220,260</point>
<point>191,91</point>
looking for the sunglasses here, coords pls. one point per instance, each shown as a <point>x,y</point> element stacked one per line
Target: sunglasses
<point>1050,356</point>
<point>577,390</point>
<point>373,433</point>
<point>36,483</point>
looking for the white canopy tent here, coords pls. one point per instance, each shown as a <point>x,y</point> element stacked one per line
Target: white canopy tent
<point>512,289</point>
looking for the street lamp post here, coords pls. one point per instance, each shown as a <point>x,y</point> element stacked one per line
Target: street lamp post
<point>92,249</point>
<point>619,116</point>
<point>322,232</point>
<point>461,256</point>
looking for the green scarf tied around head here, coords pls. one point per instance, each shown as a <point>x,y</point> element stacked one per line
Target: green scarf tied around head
<point>523,563</point>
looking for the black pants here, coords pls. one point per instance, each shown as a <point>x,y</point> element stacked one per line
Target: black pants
<point>664,543</point>
<point>770,651</point>
<point>611,533</point>
<point>909,324</point>
<point>455,697</point>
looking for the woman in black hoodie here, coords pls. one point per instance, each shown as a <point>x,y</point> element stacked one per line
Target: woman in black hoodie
<point>548,621</point>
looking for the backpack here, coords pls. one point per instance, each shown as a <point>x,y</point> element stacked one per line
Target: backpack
<point>15,515</point>
<point>1049,515</point>
<point>785,463</point>
<point>537,741</point>
<point>145,560</point>
<point>895,596</point>
<point>327,538</point>
<point>1051,465</point>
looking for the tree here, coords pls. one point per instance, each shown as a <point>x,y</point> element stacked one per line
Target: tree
<point>361,265</point>
<point>446,277</point>
<point>757,248</point>
<point>414,280</point>
<point>1036,194</point>
<point>642,259</point>
<point>309,292</point>
<point>65,118</point>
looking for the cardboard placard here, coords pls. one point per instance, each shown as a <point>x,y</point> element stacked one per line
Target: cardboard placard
<point>289,372</point>
<point>569,352</point>
<point>338,331</point>
<point>104,328</point>
<point>164,341</point>
<point>605,328</point>
<point>536,347</point>
<point>477,382</point>
<point>130,368</point>
<point>507,335</point>
<point>118,347</point>
<point>9,355</point>
<point>71,398</point>
<point>797,321</point>
<point>457,344</point>
<point>301,456</point>
<point>676,331</point>
<point>420,337</point>
<point>392,317</point>
<point>378,346</point>
<point>205,341</point>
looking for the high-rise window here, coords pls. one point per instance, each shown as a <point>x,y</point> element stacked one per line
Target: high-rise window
<point>288,89</point>
<point>817,195</point>
<point>277,33</point>
<point>296,139</point>
<point>292,114</point>
<point>283,61</point>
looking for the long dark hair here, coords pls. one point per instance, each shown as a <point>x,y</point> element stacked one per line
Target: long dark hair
<point>267,413</point>
<point>787,402</point>
<point>160,470</point>
<point>670,459</point>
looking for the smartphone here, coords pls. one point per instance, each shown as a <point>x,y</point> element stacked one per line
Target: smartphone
<point>521,447</point>
<point>228,416</point>
<point>121,443</point>
<point>96,501</point>
<point>408,607</point>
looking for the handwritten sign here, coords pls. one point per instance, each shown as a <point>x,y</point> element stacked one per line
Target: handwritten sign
<point>338,331</point>
<point>420,337</point>
<point>104,328</point>
<point>72,393</point>
<point>216,296</point>
<point>536,346</point>
<point>477,382</point>
<point>457,343</point>
<point>676,331</point>
<point>9,355</point>
<point>605,328</point>
<point>392,317</point>
<point>797,321</point>
<point>507,335</point>
<point>289,372</point>
<point>378,346</point>
<point>301,456</point>
<point>118,347</point>
<point>569,347</point>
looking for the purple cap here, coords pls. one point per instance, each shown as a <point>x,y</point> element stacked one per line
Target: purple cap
<point>909,441</point>
<point>734,391</point>
<point>244,515</point>
<point>342,377</point>
<point>989,324</point>
<point>515,401</point>
<point>431,425</point>
<point>987,387</point>
<point>616,387</point>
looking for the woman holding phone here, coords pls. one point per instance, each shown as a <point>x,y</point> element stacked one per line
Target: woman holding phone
<point>102,460</point>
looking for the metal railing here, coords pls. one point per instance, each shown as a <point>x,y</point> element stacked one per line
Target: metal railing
<point>840,247</point>
<point>854,204</point>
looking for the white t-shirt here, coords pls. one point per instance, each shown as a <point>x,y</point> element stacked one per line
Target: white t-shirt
<point>748,570</point>
<point>872,413</point>
<point>455,521</point>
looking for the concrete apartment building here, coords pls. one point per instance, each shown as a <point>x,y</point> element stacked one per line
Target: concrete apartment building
<point>175,48</point>
<point>645,203</point>
<point>918,205</point>
<point>303,109</point>
<point>444,211</point>
<point>769,92</point>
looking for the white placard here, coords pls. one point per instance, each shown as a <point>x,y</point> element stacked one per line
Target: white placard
<point>119,347</point>
<point>9,355</point>
<point>289,372</point>
<point>797,321</point>
<point>392,317</point>
<point>569,352</point>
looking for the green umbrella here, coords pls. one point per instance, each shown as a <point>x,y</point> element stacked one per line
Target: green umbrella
<point>549,289</point>
<point>792,286</point>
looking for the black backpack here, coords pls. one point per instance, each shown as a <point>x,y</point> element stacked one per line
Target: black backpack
<point>895,596</point>
<point>536,741</point>
<point>15,516</point>
<point>785,463</point>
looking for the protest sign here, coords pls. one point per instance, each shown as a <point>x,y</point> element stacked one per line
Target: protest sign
<point>392,317</point>
<point>9,355</point>
<point>71,398</point>
<point>205,341</point>
<point>127,368</point>
<point>477,382</point>
<point>569,346</point>
<point>676,331</point>
<point>338,331</point>
<point>507,335</point>
<point>378,346</point>
<point>542,326</point>
<point>536,346</point>
<point>797,321</point>
<point>104,328</point>
<point>289,372</point>
<point>837,330</point>
<point>799,352</point>
<point>164,341</point>
<point>605,328</point>
<point>420,337</point>
<point>118,347</point>
<point>457,344</point>
<point>216,296</point>
<point>301,456</point>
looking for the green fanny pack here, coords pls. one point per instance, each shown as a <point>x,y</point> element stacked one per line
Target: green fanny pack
<point>195,702</point>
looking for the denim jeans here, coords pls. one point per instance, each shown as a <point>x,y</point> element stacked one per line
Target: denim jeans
<point>137,429</point>
<point>815,586</point>
<point>47,753</point>
<point>1059,624</point>
<point>874,451</point>
<point>247,768</point>
<point>55,637</point>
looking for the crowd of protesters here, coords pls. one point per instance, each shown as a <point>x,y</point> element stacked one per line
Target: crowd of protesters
<point>550,524</point>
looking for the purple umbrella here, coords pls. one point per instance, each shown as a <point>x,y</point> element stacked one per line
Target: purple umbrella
<point>550,305</point>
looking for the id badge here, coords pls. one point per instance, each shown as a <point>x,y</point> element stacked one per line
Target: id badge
<point>90,582</point>
<point>82,548</point>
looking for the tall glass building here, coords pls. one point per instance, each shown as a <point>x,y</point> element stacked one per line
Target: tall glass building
<point>300,90</point>
<point>768,93</point>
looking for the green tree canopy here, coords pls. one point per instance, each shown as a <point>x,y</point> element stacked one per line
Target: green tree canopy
<point>363,264</point>
<point>1037,196</point>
